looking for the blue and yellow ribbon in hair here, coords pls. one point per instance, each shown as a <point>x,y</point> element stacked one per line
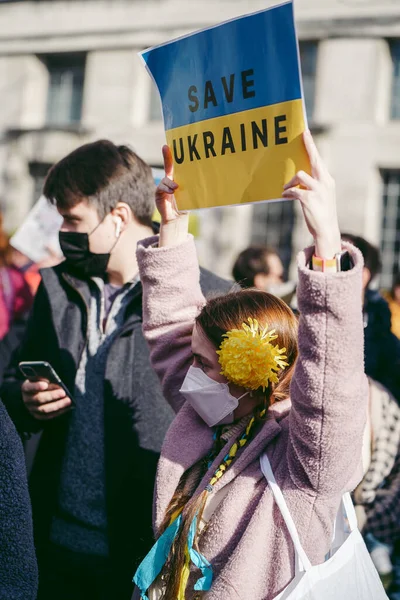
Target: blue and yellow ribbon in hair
<point>153,563</point>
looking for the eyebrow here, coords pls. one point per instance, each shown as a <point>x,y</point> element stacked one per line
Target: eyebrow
<point>71,217</point>
<point>197,355</point>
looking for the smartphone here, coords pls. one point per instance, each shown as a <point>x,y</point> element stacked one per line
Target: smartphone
<point>35,370</point>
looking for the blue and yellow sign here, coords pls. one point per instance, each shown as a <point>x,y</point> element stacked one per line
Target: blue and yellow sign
<point>233,109</point>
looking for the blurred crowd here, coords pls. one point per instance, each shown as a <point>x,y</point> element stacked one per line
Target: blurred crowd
<point>377,497</point>
<point>19,282</point>
<point>82,314</point>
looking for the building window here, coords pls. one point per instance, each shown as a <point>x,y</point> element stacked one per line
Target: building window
<point>308,60</point>
<point>273,224</point>
<point>390,238</point>
<point>155,111</point>
<point>395,52</point>
<point>38,172</point>
<point>65,95</point>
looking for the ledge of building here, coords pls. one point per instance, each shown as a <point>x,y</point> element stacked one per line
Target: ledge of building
<point>70,128</point>
<point>46,144</point>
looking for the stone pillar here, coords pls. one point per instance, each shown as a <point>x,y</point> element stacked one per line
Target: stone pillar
<point>24,84</point>
<point>349,74</point>
<point>34,100</point>
<point>109,89</point>
<point>353,100</point>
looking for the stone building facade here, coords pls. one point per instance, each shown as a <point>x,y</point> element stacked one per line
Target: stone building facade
<point>70,73</point>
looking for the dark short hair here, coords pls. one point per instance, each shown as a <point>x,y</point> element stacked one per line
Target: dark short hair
<point>371,254</point>
<point>251,262</point>
<point>103,174</point>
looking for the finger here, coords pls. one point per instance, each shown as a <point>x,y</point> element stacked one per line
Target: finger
<point>301,178</point>
<point>53,386</point>
<point>162,192</point>
<point>169,183</point>
<point>317,165</point>
<point>168,162</point>
<point>164,189</point>
<point>295,193</point>
<point>48,416</point>
<point>31,387</point>
<point>46,397</point>
<point>52,407</point>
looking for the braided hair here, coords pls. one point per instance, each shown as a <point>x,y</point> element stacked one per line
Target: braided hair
<point>217,317</point>
<point>177,571</point>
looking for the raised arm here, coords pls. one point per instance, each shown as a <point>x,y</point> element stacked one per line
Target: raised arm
<point>172,296</point>
<point>329,390</point>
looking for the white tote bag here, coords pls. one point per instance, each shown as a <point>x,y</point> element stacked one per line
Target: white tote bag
<point>349,573</point>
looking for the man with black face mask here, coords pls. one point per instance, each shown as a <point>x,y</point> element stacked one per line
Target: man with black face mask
<point>92,479</point>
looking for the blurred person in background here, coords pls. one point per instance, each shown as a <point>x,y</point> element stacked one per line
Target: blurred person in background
<point>382,347</point>
<point>382,530</point>
<point>15,301</point>
<point>261,267</point>
<point>393,299</point>
<point>15,296</point>
<point>30,269</point>
<point>377,497</point>
<point>93,475</point>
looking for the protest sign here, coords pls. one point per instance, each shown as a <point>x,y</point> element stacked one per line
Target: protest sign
<point>233,109</point>
<point>39,232</point>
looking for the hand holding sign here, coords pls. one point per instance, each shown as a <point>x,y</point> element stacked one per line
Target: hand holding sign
<point>318,201</point>
<point>174,225</point>
<point>232,103</point>
<point>165,190</point>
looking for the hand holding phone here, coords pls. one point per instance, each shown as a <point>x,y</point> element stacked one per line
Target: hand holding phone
<point>44,394</point>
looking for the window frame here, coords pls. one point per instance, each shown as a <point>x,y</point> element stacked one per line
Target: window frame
<point>390,236</point>
<point>394,47</point>
<point>309,81</point>
<point>68,113</point>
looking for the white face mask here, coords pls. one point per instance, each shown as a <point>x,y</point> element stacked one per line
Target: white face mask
<point>210,399</point>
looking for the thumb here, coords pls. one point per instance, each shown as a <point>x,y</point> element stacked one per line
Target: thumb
<point>313,155</point>
<point>168,162</point>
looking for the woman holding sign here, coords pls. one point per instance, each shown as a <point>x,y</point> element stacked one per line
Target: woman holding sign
<point>245,381</point>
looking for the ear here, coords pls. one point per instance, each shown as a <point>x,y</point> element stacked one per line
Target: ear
<point>260,281</point>
<point>123,213</point>
<point>366,277</point>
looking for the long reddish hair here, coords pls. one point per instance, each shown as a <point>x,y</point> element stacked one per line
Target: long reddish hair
<point>218,316</point>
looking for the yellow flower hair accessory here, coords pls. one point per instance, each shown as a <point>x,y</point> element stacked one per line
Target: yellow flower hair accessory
<point>249,359</point>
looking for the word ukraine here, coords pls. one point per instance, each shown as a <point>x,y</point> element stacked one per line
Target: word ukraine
<point>233,110</point>
<point>210,144</point>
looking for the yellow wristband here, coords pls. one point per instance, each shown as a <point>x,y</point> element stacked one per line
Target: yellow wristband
<point>324,265</point>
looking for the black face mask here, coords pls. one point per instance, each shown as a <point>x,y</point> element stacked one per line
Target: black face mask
<point>79,258</point>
